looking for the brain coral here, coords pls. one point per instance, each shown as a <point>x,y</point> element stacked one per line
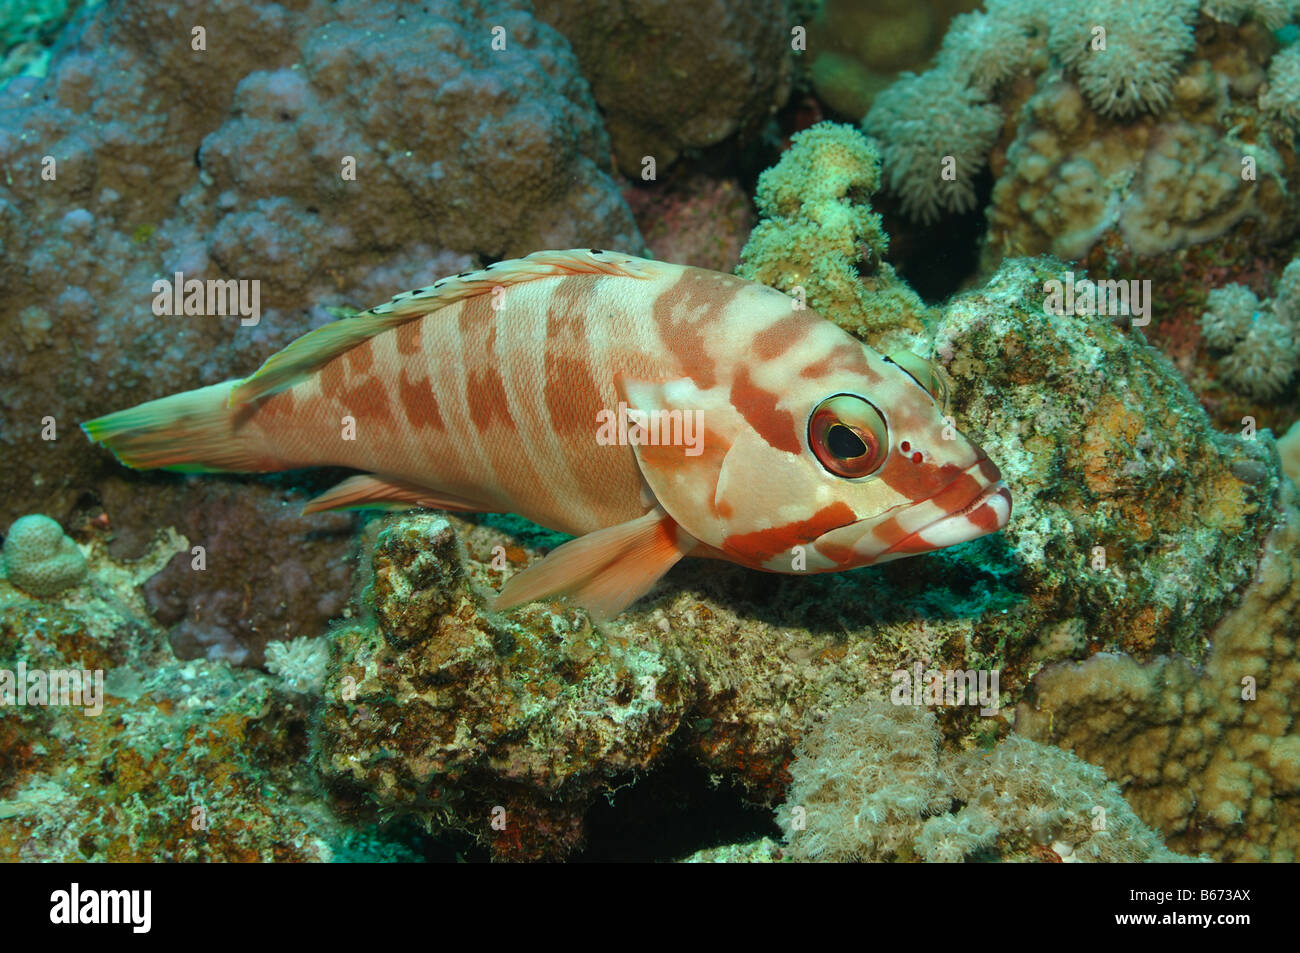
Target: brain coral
<point>40,559</point>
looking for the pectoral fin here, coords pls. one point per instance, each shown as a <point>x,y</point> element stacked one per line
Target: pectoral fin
<point>605,571</point>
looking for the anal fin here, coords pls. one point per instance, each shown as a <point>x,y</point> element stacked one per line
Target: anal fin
<point>605,571</point>
<point>370,491</point>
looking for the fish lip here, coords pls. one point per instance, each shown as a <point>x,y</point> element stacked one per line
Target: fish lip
<point>854,544</point>
<point>984,497</point>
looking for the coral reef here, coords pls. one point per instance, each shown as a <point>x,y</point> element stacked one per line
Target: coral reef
<point>872,784</point>
<point>39,558</point>
<point>818,233</point>
<point>1126,500</point>
<point>665,88</point>
<point>1107,122</point>
<point>445,711</point>
<point>163,760</point>
<point>1210,755</point>
<point>1140,611</point>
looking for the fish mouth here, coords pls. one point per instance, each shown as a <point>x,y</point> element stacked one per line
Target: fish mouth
<point>987,512</point>
<point>933,523</point>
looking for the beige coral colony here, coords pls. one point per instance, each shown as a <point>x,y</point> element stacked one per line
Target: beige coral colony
<point>774,431</point>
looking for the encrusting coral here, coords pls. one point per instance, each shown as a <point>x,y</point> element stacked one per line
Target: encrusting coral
<point>1210,756</point>
<point>149,758</point>
<point>872,783</point>
<point>39,558</point>
<point>275,155</point>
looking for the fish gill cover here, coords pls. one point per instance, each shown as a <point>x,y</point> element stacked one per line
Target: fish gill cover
<point>1033,326</point>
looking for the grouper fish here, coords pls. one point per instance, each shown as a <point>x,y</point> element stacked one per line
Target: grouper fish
<point>652,410</point>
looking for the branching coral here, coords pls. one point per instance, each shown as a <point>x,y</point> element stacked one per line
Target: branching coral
<point>873,784</point>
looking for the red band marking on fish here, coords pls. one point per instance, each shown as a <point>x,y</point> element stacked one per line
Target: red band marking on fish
<point>762,545</point>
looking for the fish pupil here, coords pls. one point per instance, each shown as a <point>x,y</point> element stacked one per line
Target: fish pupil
<point>844,443</point>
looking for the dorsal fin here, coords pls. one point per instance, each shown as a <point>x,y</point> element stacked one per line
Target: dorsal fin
<point>317,348</point>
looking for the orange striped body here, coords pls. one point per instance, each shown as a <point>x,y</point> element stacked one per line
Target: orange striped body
<point>486,392</point>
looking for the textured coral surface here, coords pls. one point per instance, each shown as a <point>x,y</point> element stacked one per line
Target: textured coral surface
<point>1141,608</point>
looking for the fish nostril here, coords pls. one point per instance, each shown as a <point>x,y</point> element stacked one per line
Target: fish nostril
<point>917,457</point>
<point>905,447</point>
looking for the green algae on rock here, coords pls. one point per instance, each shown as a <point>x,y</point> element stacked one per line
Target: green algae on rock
<point>185,761</point>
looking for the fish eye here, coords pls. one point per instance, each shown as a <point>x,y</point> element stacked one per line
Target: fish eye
<point>848,436</point>
<point>927,376</point>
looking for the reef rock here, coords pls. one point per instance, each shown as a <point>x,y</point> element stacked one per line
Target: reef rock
<point>668,79</point>
<point>1126,503</point>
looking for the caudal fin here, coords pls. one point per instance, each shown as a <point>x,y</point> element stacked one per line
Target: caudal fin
<point>193,432</point>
